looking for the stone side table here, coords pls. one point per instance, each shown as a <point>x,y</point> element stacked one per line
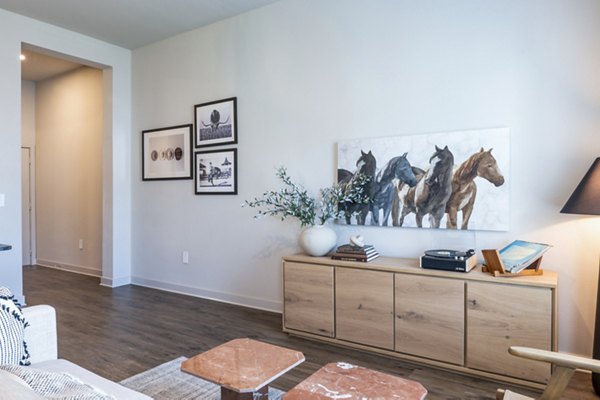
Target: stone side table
<point>350,382</point>
<point>243,367</point>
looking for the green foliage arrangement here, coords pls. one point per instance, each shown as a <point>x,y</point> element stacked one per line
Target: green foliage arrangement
<point>293,200</point>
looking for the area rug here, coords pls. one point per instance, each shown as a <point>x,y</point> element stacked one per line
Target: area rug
<point>167,382</point>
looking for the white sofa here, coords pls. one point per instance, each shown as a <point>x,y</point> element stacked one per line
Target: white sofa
<point>41,340</point>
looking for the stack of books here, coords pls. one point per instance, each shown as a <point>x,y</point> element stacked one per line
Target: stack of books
<point>349,252</point>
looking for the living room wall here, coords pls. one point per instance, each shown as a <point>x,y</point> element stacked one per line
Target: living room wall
<point>309,73</point>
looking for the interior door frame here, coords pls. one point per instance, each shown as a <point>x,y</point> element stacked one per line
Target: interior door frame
<point>115,64</point>
<point>31,201</point>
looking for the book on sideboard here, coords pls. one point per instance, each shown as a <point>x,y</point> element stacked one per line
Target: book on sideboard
<point>349,249</point>
<point>354,257</point>
<point>520,254</point>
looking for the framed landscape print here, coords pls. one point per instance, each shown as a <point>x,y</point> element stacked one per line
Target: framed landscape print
<point>216,123</point>
<point>216,171</point>
<point>167,153</point>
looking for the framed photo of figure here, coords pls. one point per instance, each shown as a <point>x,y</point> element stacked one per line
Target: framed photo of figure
<point>167,153</point>
<point>216,123</point>
<point>216,171</point>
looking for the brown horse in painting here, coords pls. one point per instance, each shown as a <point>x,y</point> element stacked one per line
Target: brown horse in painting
<point>464,189</point>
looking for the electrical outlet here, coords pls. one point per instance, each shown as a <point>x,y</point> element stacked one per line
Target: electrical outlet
<point>80,244</point>
<point>185,257</point>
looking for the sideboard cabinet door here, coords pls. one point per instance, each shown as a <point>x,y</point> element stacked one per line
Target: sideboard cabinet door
<point>430,317</point>
<point>500,316</point>
<point>308,298</point>
<point>365,307</point>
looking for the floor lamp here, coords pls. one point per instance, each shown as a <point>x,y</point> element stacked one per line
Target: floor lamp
<point>586,200</point>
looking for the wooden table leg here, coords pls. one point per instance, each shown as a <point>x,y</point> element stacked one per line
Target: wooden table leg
<point>262,394</point>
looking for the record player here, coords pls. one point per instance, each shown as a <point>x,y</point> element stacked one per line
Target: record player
<point>449,260</point>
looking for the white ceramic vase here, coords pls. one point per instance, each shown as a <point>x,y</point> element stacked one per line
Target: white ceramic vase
<point>317,240</point>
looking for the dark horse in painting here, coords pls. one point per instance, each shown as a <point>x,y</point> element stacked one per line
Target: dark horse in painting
<point>384,187</point>
<point>365,165</point>
<point>433,190</point>
<point>464,189</point>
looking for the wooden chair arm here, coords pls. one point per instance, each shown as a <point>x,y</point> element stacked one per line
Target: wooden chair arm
<point>560,359</point>
<point>508,395</point>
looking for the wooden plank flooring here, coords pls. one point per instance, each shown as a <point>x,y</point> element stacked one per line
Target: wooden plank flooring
<point>120,332</point>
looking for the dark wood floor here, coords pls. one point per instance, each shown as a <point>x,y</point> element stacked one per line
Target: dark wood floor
<point>120,332</point>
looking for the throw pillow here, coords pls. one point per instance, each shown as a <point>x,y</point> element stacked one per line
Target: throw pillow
<point>13,349</point>
<point>56,385</point>
<point>14,387</point>
<point>5,292</point>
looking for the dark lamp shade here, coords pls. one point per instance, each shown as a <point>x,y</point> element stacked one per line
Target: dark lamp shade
<point>586,197</point>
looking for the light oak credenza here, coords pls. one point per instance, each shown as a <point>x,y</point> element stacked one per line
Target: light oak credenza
<point>459,321</point>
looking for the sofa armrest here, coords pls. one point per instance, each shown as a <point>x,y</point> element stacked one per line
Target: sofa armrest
<point>40,335</point>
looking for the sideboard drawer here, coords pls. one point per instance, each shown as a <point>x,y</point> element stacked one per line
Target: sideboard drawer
<point>365,307</point>
<point>308,298</point>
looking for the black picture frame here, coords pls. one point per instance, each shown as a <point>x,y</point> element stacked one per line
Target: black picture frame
<point>215,171</point>
<point>216,123</point>
<point>167,153</point>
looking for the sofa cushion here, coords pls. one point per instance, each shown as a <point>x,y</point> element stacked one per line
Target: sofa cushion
<point>12,330</point>
<point>55,385</point>
<point>14,387</point>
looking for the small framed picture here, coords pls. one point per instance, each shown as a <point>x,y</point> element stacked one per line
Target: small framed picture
<point>216,171</point>
<point>167,153</point>
<point>216,123</point>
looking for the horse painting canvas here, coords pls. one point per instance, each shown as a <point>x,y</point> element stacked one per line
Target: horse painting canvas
<point>448,180</point>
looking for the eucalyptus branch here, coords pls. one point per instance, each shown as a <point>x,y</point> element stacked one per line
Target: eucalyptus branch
<point>291,201</point>
<point>294,201</point>
<point>336,200</point>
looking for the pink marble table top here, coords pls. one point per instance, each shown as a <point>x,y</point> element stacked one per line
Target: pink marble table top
<point>350,382</point>
<point>243,365</point>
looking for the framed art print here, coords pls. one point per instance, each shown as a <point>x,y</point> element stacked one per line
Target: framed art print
<point>445,180</point>
<point>167,153</point>
<point>216,171</point>
<point>216,123</point>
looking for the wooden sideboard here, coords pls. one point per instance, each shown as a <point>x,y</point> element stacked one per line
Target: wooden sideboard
<point>459,321</point>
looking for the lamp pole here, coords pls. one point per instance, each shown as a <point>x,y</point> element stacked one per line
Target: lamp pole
<point>596,350</point>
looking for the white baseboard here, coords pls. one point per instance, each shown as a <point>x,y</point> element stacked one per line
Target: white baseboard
<point>69,267</point>
<point>115,282</point>
<point>244,301</point>
<point>251,302</point>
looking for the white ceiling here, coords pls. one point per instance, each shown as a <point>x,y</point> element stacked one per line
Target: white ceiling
<point>131,23</point>
<point>37,67</point>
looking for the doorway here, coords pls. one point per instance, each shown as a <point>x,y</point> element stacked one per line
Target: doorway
<point>64,229</point>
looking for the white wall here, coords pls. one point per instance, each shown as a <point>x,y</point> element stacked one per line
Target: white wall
<point>69,171</point>
<point>309,73</point>
<point>15,30</point>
